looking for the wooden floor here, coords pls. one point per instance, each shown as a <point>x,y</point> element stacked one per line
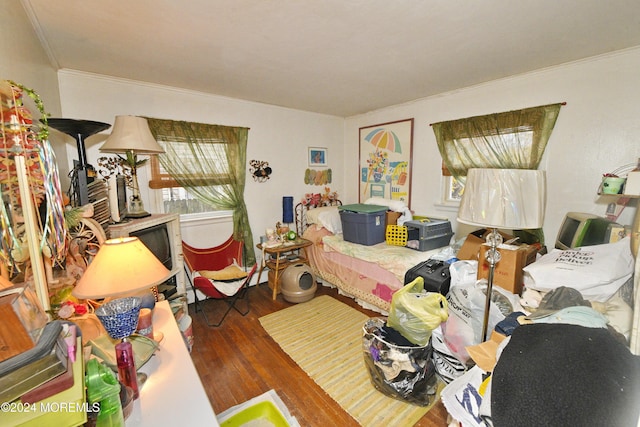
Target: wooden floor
<point>239,361</point>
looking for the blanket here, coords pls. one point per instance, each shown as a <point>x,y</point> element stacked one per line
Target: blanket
<point>396,259</point>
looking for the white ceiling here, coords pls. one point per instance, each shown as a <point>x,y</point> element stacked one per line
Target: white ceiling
<point>339,57</point>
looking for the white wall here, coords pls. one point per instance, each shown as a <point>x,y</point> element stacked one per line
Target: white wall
<point>25,62</point>
<point>596,132</point>
<point>277,135</point>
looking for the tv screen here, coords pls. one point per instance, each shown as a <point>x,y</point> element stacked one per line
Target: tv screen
<point>568,231</point>
<point>583,229</point>
<point>156,238</point>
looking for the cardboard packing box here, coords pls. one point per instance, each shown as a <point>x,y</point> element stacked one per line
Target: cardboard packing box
<point>470,249</point>
<point>508,271</point>
<point>391,217</point>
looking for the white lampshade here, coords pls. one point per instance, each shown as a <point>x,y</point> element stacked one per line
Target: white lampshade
<point>122,266</point>
<point>513,199</point>
<point>131,133</point>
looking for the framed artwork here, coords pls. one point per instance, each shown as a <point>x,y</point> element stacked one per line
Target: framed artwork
<point>318,156</point>
<point>385,161</point>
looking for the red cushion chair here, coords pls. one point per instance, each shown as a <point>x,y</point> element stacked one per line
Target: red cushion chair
<point>214,259</point>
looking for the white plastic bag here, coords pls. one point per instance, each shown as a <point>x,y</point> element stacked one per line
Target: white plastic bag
<point>596,271</point>
<point>466,316</point>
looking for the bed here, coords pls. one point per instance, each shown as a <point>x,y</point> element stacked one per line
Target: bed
<point>369,274</point>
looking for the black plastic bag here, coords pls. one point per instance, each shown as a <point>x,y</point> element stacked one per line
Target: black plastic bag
<point>403,372</point>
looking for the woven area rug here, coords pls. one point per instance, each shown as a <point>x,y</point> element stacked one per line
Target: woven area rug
<point>324,337</point>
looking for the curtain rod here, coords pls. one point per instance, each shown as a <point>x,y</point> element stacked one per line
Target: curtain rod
<point>561,103</point>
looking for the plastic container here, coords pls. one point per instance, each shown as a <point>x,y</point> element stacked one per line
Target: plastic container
<point>428,233</point>
<point>363,224</point>
<point>103,387</point>
<point>396,235</point>
<point>262,413</point>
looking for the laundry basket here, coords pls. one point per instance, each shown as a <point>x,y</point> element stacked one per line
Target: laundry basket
<point>404,372</point>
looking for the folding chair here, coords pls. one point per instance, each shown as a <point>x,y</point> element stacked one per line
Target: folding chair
<point>199,261</point>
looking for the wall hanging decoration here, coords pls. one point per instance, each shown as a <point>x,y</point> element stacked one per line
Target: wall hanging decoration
<point>385,161</point>
<point>317,177</point>
<point>315,200</point>
<point>259,170</point>
<point>318,156</point>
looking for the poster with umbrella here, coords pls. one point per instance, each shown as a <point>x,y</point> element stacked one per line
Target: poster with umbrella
<point>385,161</point>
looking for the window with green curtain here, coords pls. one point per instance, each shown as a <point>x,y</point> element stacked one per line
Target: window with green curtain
<point>209,161</point>
<point>509,140</point>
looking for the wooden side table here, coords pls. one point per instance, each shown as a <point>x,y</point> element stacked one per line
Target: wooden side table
<point>280,263</point>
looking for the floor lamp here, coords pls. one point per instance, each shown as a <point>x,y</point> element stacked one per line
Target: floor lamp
<point>512,199</point>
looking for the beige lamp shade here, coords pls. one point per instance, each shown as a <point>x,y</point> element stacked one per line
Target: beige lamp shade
<point>131,133</point>
<point>513,199</point>
<point>122,266</point>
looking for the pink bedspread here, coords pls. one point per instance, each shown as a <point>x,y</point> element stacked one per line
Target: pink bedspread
<point>360,273</point>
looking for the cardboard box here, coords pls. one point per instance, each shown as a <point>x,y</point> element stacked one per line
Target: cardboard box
<point>392,217</point>
<point>508,271</point>
<point>471,247</point>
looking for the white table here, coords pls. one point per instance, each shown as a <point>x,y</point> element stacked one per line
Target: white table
<point>173,393</point>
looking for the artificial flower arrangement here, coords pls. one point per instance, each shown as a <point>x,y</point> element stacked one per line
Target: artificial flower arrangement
<point>66,306</point>
<point>314,200</point>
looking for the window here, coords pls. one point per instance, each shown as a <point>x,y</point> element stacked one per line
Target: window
<point>208,161</point>
<point>509,140</point>
<point>177,199</point>
<point>453,190</point>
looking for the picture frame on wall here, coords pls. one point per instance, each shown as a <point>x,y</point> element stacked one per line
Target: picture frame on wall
<point>386,161</point>
<point>318,156</point>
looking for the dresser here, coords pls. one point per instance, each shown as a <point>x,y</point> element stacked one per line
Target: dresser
<point>173,394</point>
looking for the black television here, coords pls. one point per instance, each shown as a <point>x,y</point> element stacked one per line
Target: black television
<point>157,239</point>
<point>161,234</point>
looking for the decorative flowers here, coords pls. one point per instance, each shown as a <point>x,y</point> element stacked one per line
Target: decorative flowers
<point>311,200</point>
<point>65,306</point>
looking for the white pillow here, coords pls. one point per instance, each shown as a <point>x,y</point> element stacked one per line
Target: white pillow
<point>330,219</point>
<point>312,214</point>
<point>394,205</point>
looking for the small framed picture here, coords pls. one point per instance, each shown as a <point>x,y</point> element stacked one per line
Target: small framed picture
<point>317,156</point>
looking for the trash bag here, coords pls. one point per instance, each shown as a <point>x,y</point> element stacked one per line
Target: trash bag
<point>402,372</point>
<point>415,313</point>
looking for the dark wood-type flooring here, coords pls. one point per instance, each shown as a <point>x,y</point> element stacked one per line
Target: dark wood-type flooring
<point>239,361</point>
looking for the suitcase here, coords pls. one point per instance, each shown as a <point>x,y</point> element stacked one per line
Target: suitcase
<point>435,274</point>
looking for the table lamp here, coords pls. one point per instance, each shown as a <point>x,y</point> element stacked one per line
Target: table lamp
<point>512,199</point>
<point>121,267</point>
<point>131,136</point>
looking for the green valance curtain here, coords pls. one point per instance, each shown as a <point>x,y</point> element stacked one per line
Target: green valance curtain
<point>509,140</point>
<point>210,162</point>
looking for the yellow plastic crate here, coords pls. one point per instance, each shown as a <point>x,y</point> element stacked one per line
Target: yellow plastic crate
<point>396,235</point>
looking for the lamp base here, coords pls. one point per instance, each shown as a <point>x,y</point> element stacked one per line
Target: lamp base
<point>136,209</point>
<point>135,215</point>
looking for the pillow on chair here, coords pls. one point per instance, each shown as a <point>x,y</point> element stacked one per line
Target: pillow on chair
<point>230,273</point>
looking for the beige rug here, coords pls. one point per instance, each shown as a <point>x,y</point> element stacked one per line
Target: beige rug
<point>324,337</point>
